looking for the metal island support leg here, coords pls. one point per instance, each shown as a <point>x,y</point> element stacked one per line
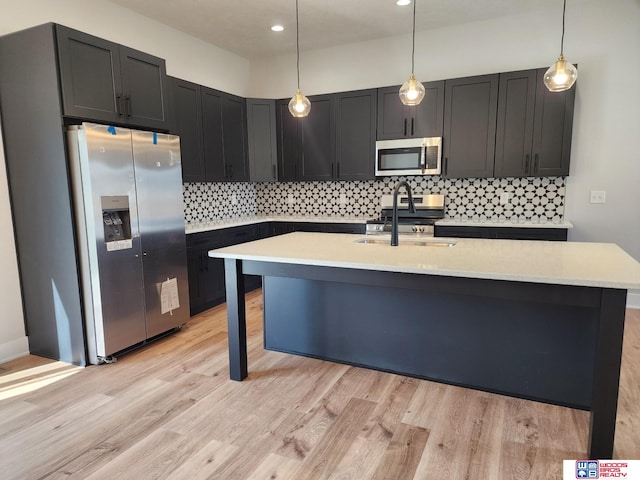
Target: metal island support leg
<point>236,319</point>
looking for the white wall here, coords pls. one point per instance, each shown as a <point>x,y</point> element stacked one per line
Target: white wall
<point>599,36</point>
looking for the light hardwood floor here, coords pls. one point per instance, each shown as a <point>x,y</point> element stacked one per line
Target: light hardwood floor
<point>170,411</point>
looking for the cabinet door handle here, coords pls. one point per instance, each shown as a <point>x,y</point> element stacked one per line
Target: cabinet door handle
<point>231,170</point>
<point>535,164</point>
<point>331,170</point>
<point>446,165</point>
<point>119,106</point>
<point>526,164</point>
<point>405,127</point>
<point>412,122</point>
<point>128,104</point>
<point>273,174</point>
<point>338,170</point>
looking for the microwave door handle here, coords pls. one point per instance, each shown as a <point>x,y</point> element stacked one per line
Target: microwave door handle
<point>423,157</point>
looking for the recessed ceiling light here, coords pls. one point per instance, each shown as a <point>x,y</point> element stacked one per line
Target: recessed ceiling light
<point>403,3</point>
<point>277,28</point>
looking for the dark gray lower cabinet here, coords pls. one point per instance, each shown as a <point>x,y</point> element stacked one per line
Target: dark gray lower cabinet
<point>510,233</point>
<point>206,274</point>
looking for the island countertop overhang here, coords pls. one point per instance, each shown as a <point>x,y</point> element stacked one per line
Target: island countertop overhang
<point>587,264</point>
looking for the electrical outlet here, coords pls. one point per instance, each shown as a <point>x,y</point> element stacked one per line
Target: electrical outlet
<point>504,198</point>
<point>597,196</point>
<point>290,199</point>
<point>343,199</point>
<point>234,199</point>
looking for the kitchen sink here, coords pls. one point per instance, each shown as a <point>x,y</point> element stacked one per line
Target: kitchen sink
<point>421,242</point>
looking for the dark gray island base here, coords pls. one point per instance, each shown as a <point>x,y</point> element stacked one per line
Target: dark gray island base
<point>558,344</point>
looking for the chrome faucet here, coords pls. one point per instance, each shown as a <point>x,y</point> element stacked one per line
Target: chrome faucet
<point>394,218</point>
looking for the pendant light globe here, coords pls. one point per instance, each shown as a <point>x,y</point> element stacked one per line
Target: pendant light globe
<point>561,75</point>
<point>412,91</point>
<point>299,105</point>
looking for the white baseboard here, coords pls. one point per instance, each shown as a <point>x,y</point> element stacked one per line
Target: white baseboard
<point>14,349</point>
<point>633,300</point>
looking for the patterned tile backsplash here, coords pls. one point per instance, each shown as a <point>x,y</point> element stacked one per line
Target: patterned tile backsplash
<point>537,200</point>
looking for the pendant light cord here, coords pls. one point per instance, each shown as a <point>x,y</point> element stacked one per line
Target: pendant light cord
<point>564,8</point>
<point>413,44</point>
<point>297,47</point>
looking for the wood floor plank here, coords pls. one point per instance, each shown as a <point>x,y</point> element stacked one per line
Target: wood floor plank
<point>328,454</point>
<point>275,467</point>
<point>361,460</point>
<point>204,461</point>
<point>403,454</point>
<point>168,410</point>
<point>392,406</point>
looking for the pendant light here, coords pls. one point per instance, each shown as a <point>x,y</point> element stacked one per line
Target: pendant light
<point>561,75</point>
<point>412,91</point>
<point>299,105</point>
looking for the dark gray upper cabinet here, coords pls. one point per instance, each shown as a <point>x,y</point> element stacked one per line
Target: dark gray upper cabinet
<point>396,120</point>
<point>355,135</point>
<point>187,113</point>
<point>289,134</point>
<point>533,136</point>
<point>470,107</point>
<point>318,140</point>
<point>234,128</point>
<point>552,129</point>
<point>104,81</point>
<point>212,136</point>
<point>335,142</point>
<point>212,126</point>
<point>261,140</point>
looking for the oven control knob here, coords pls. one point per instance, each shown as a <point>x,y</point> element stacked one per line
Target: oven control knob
<point>421,229</point>
<point>414,229</point>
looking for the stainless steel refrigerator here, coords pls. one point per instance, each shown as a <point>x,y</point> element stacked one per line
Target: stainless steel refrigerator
<point>127,189</point>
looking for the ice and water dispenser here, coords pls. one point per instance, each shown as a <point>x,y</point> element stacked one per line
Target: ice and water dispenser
<point>116,221</point>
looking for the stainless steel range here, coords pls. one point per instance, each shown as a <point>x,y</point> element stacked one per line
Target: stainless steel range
<point>429,209</point>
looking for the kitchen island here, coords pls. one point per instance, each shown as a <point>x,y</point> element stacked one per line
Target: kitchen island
<point>536,320</point>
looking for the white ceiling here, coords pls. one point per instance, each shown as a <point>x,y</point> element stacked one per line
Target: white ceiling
<point>243,26</point>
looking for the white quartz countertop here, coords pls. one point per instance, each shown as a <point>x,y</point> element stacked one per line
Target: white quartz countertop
<point>253,219</point>
<point>565,263</point>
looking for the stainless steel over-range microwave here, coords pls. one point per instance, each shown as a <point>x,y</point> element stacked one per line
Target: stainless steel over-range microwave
<point>410,156</point>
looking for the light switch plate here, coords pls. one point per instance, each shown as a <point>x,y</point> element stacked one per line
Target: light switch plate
<point>597,196</point>
<point>504,198</point>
